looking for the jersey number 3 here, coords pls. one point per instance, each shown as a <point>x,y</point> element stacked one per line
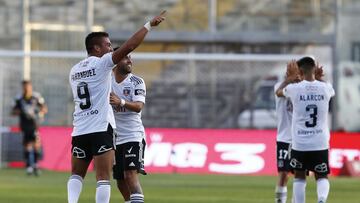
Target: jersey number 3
<point>83,94</point>
<point>313,115</point>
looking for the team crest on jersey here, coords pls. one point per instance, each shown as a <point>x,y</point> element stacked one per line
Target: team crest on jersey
<point>126,91</point>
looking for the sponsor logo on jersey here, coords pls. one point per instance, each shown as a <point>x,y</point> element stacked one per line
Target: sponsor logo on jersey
<point>129,151</point>
<point>140,92</point>
<point>130,155</point>
<point>132,164</point>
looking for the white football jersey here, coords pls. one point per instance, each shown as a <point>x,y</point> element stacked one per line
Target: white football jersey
<point>310,130</point>
<point>284,116</point>
<point>90,82</point>
<point>129,127</point>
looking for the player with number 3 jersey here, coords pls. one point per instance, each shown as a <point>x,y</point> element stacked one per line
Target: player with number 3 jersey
<point>310,130</point>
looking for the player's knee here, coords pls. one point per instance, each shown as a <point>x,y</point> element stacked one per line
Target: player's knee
<point>102,175</point>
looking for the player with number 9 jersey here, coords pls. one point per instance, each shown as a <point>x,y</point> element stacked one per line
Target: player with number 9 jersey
<point>90,81</point>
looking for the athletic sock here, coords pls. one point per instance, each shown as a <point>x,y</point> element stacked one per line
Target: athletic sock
<point>36,156</point>
<point>74,187</point>
<point>128,201</point>
<point>280,194</point>
<point>137,198</point>
<point>26,156</point>
<point>322,187</point>
<point>31,158</point>
<point>299,186</point>
<point>103,191</point>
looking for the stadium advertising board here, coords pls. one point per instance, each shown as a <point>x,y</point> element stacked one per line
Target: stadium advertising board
<point>203,150</point>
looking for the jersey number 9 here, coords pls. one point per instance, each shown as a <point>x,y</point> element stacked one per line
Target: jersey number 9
<point>84,95</point>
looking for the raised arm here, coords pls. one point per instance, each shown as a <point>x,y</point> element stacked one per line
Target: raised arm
<point>137,38</point>
<point>292,75</point>
<point>319,73</point>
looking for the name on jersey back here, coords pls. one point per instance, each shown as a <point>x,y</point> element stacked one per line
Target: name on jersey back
<point>83,74</point>
<point>312,97</point>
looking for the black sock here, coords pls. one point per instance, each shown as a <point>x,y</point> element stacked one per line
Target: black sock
<point>26,157</point>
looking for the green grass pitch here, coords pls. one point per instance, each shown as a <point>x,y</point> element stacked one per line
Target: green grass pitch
<point>50,187</point>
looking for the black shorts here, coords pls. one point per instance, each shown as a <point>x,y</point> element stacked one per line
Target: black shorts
<point>316,161</point>
<point>30,136</point>
<point>129,156</point>
<point>88,145</point>
<point>283,156</point>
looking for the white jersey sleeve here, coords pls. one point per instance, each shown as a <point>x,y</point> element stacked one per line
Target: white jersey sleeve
<point>290,90</point>
<point>331,91</point>
<point>106,63</point>
<point>284,115</point>
<point>139,92</point>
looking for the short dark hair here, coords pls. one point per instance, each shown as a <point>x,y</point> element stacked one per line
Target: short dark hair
<point>24,82</point>
<point>306,63</point>
<point>93,38</point>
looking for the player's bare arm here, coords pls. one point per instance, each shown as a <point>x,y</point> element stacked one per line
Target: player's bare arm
<point>132,106</point>
<point>137,38</point>
<point>43,110</point>
<point>292,75</point>
<point>319,72</point>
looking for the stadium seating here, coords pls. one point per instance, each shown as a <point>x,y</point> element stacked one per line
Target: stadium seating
<point>168,83</point>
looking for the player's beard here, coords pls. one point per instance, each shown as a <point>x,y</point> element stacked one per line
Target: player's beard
<point>125,69</point>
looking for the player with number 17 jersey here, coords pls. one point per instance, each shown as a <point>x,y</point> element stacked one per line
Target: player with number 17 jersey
<point>90,81</point>
<point>310,99</point>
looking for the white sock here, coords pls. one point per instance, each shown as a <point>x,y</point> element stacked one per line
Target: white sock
<point>128,201</point>
<point>103,191</point>
<point>74,187</point>
<point>280,194</point>
<point>137,198</point>
<point>323,187</point>
<point>299,186</point>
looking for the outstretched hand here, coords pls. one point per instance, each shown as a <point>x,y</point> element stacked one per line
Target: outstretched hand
<point>292,72</point>
<point>158,19</point>
<point>319,72</point>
